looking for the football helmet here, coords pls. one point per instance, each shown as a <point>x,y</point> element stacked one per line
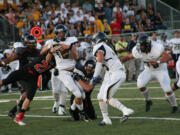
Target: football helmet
<point>144,44</point>
<point>63,29</point>
<point>99,37</point>
<point>90,66</point>
<point>30,41</point>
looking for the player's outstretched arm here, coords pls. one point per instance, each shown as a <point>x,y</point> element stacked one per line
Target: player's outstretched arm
<point>9,59</point>
<point>126,58</point>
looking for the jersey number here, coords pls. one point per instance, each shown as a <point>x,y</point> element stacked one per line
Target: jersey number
<point>42,67</point>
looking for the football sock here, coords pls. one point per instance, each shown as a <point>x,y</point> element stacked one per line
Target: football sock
<point>104,109</point>
<point>146,94</point>
<point>116,104</point>
<point>172,99</point>
<point>14,109</point>
<point>56,98</point>
<point>63,96</point>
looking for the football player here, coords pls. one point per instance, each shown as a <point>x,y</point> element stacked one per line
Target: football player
<point>175,46</point>
<point>25,54</point>
<point>82,75</point>
<point>58,89</point>
<point>29,74</point>
<point>155,59</point>
<point>65,54</point>
<point>114,77</point>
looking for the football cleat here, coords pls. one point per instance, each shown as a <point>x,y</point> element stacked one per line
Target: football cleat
<point>126,113</point>
<point>11,115</point>
<point>106,121</point>
<point>19,121</point>
<point>61,111</point>
<point>55,108</point>
<point>123,119</point>
<point>84,116</point>
<point>175,109</point>
<point>148,105</point>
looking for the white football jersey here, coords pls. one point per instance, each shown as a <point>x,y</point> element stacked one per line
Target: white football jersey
<point>175,44</point>
<point>155,54</point>
<point>111,60</point>
<point>62,63</point>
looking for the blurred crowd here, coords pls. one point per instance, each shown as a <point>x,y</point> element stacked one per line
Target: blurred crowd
<point>84,18</point>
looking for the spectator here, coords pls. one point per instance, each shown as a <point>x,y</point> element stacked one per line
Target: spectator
<point>133,4</point>
<point>87,30</point>
<point>134,64</point>
<point>126,6</point>
<point>118,15</point>
<point>87,6</point>
<point>72,17</point>
<point>63,14</point>
<point>133,23</point>
<point>148,26</point>
<point>108,12</point>
<point>98,23</point>
<point>158,21</point>
<point>78,17</point>
<point>154,38</point>
<point>117,7</point>
<point>127,27</point>
<point>98,2</point>
<point>20,25</point>
<point>115,27</point>
<point>121,49</point>
<point>107,28</point>
<point>90,17</point>
<point>100,12</point>
<point>150,11</point>
<point>72,31</point>
<point>79,29</point>
<point>11,16</point>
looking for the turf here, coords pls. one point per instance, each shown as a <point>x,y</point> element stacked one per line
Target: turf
<point>127,94</point>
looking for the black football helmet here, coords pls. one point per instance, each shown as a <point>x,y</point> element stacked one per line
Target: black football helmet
<point>90,66</point>
<point>99,37</point>
<point>61,28</point>
<point>25,35</point>
<point>30,41</point>
<point>144,44</point>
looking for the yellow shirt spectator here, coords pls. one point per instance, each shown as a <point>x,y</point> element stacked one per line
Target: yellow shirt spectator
<point>121,47</point>
<point>99,25</point>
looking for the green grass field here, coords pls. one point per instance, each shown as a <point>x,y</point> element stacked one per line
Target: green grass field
<point>41,121</point>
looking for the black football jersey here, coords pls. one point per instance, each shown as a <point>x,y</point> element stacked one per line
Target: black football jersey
<point>39,66</point>
<point>80,72</point>
<point>26,55</point>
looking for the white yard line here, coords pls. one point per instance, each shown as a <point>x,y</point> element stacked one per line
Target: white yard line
<point>93,99</point>
<point>96,89</point>
<point>112,117</point>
